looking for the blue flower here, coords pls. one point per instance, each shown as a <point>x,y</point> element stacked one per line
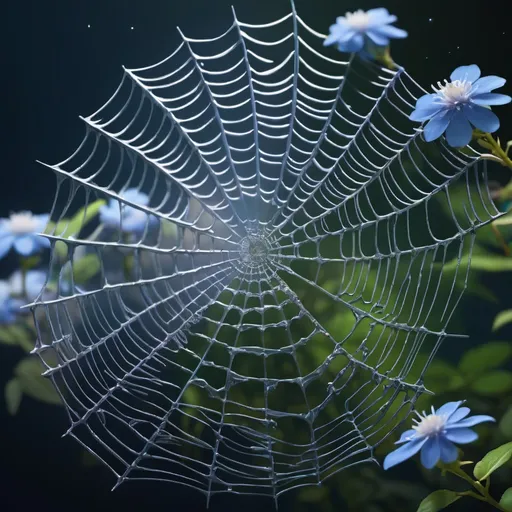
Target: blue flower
<point>434,434</point>
<point>354,30</point>
<point>20,231</point>
<point>132,220</point>
<point>9,307</point>
<point>34,282</point>
<point>459,105</point>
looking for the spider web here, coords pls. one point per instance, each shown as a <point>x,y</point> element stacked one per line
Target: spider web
<point>276,325</point>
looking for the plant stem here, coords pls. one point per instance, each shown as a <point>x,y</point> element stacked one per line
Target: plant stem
<point>497,150</point>
<point>483,490</point>
<point>385,59</point>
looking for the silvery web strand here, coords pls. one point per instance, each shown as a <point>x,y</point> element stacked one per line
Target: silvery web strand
<point>281,174</point>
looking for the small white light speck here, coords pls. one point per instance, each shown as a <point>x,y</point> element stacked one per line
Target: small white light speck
<point>131,28</point>
<point>88,26</point>
<point>458,47</point>
<point>431,19</point>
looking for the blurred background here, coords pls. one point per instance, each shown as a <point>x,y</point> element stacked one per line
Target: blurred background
<point>63,59</point>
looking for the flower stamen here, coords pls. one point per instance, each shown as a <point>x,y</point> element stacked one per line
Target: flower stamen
<point>430,425</point>
<point>358,20</point>
<point>454,93</point>
<point>22,223</point>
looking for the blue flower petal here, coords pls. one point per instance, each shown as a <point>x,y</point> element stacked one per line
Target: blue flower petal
<point>427,101</point>
<point>381,12</point>
<point>469,73</point>
<point>342,38</point>
<point>448,408</point>
<point>378,38</point>
<point>42,242</point>
<point>5,244</point>
<point>331,39</point>
<point>390,31</point>
<point>42,221</point>
<point>458,415</point>
<point>353,45</point>
<point>488,84</point>
<point>335,31</point>
<point>34,282</point>
<point>470,422</point>
<point>461,435</point>
<point>437,126</point>
<point>430,453</point>
<point>482,118</point>
<point>459,133</point>
<point>406,451</point>
<point>491,98</point>
<point>449,452</point>
<point>424,114</point>
<point>25,245</point>
<point>406,435</point>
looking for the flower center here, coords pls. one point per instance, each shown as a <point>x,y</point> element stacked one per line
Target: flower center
<point>22,223</point>
<point>429,424</point>
<point>358,20</point>
<point>454,93</point>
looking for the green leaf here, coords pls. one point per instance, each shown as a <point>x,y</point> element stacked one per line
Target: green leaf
<point>502,318</point>
<point>28,371</point>
<point>483,263</point>
<point>71,227</point>
<point>505,424</point>
<point>442,377</point>
<point>169,229</point>
<point>492,461</point>
<point>15,335</point>
<point>67,228</point>
<point>13,395</point>
<point>485,357</point>
<point>493,383</point>
<point>506,220</point>
<point>85,267</point>
<point>438,500</point>
<point>506,499</point>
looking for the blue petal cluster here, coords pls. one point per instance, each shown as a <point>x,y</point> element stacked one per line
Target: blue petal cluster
<point>34,283</point>
<point>434,434</point>
<point>21,231</point>
<point>9,307</point>
<point>353,31</point>
<point>459,105</point>
<point>131,220</point>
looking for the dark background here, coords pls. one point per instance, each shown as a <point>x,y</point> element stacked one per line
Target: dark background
<point>62,59</point>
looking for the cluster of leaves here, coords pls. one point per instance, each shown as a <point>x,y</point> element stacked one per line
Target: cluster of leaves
<point>482,471</point>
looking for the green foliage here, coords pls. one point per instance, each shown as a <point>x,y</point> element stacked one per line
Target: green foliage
<point>13,394</point>
<point>493,383</point>
<point>85,268</point>
<point>68,228</point>
<point>479,371</point>
<point>503,318</point>
<point>12,334</point>
<point>29,380</point>
<point>478,360</point>
<point>438,500</point>
<point>505,424</point>
<point>483,263</point>
<point>492,461</point>
<point>506,499</point>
